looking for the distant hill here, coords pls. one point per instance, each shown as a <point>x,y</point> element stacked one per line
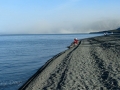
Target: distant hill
<point>108,31</point>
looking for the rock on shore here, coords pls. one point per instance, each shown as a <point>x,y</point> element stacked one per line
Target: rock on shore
<point>93,65</point>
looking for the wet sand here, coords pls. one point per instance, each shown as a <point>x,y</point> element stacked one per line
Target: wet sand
<point>92,65</point>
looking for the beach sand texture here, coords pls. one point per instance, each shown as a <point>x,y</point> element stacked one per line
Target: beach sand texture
<point>93,65</point>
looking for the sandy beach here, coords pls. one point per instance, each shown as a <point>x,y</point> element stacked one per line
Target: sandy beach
<point>92,65</point>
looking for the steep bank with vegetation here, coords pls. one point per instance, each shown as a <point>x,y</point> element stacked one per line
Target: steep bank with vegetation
<point>115,31</point>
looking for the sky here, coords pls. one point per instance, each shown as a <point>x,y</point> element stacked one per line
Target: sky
<point>58,16</point>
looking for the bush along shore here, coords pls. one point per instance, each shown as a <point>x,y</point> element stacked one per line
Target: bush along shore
<point>92,65</point>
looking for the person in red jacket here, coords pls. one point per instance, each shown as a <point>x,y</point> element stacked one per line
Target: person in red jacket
<point>74,43</point>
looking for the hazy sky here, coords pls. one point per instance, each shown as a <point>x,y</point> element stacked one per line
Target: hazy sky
<point>58,16</point>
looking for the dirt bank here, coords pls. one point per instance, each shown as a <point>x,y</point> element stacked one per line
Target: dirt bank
<point>92,65</point>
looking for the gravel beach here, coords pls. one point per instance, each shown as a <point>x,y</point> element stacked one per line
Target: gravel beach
<point>92,65</point>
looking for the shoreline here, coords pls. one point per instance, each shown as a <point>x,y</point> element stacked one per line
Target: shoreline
<point>73,66</point>
<point>40,70</point>
<point>24,86</point>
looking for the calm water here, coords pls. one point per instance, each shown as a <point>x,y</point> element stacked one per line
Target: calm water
<point>22,55</point>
